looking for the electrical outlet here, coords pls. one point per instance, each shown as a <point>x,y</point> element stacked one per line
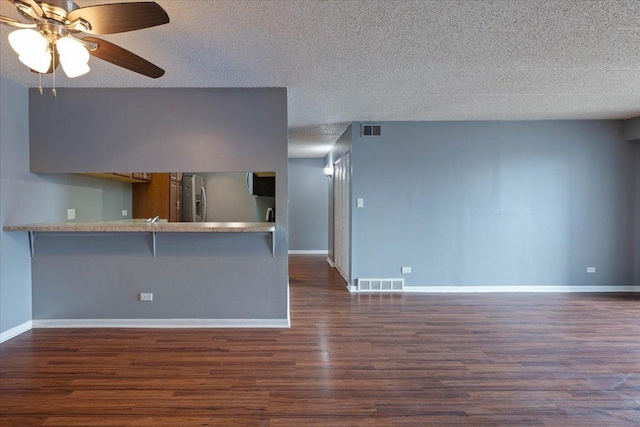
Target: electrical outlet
<point>406,270</point>
<point>146,296</point>
<point>125,212</point>
<point>71,214</point>
<point>591,269</point>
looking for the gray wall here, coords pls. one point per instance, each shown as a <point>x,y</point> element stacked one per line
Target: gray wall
<point>632,129</point>
<point>495,203</point>
<point>308,210</point>
<point>156,130</point>
<point>93,199</point>
<point>15,270</point>
<point>228,198</point>
<point>632,133</point>
<point>27,198</point>
<point>636,257</point>
<point>339,149</point>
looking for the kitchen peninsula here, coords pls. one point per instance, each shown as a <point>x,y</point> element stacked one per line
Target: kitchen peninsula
<point>141,226</point>
<point>92,274</point>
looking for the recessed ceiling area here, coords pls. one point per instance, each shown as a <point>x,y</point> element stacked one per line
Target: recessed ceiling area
<point>386,60</point>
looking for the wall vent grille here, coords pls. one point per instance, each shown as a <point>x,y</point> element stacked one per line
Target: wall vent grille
<point>380,285</point>
<point>371,130</point>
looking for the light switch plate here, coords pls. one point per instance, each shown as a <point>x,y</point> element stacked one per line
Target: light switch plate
<point>71,214</point>
<point>360,202</point>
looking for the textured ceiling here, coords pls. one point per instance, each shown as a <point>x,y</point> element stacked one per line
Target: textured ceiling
<point>388,60</point>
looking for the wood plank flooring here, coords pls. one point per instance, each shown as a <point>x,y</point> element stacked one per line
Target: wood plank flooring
<point>348,360</point>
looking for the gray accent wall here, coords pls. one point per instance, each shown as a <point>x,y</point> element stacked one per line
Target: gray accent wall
<point>636,257</point>
<point>308,210</point>
<point>631,129</point>
<point>228,198</point>
<point>214,276</point>
<point>29,198</point>
<point>495,203</point>
<point>15,263</point>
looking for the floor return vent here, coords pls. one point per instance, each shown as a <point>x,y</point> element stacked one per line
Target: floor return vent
<point>380,285</point>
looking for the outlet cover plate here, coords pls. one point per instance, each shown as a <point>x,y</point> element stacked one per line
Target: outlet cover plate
<point>591,269</point>
<point>146,296</point>
<point>71,214</point>
<point>406,270</point>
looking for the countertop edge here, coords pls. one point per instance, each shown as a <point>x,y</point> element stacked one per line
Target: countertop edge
<point>177,227</point>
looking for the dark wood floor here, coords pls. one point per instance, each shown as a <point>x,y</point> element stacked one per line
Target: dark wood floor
<point>348,360</point>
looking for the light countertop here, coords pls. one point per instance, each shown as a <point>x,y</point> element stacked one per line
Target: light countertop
<point>140,226</point>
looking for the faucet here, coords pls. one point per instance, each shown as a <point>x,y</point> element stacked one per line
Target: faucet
<point>153,220</point>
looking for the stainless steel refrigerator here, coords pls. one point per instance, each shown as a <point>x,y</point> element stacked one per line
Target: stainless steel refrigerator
<point>194,198</point>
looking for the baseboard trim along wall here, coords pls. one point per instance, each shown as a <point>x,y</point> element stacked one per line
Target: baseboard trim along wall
<point>161,323</point>
<point>506,289</point>
<point>518,288</point>
<point>331,264</point>
<point>15,331</point>
<point>308,252</point>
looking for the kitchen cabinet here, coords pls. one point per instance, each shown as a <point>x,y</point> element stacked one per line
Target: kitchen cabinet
<point>161,196</point>
<point>261,183</point>
<point>133,178</point>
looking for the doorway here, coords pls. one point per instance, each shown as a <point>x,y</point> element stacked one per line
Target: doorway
<point>341,209</point>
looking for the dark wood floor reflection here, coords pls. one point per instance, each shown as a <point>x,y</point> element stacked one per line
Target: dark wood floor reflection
<point>348,360</point>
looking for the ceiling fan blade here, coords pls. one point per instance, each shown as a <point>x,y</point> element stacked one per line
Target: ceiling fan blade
<point>123,58</point>
<point>120,17</point>
<point>29,8</point>
<point>15,23</point>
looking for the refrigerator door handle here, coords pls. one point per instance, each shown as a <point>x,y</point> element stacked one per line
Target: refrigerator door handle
<point>204,204</point>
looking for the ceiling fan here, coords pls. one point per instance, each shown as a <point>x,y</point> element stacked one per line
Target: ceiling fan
<point>52,35</point>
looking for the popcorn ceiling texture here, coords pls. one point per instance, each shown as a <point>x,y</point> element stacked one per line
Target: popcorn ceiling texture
<point>388,60</point>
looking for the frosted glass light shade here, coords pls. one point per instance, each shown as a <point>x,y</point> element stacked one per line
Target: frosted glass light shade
<point>74,69</point>
<point>72,50</point>
<point>74,57</point>
<point>27,42</point>
<point>39,62</point>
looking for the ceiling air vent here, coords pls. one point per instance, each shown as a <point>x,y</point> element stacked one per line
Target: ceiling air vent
<point>371,130</point>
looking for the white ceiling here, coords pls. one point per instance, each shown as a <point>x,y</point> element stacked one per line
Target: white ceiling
<point>388,60</point>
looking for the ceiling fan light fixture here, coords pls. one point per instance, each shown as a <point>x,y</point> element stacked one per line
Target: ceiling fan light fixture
<point>73,69</point>
<point>27,42</point>
<point>51,37</point>
<point>38,61</point>
<point>74,57</point>
<point>72,49</point>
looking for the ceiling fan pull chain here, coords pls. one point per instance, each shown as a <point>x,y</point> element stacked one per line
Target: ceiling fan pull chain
<point>53,90</point>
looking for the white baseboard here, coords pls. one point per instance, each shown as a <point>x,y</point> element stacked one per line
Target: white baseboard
<point>330,262</point>
<point>161,323</point>
<point>308,252</point>
<point>519,288</point>
<point>15,331</point>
